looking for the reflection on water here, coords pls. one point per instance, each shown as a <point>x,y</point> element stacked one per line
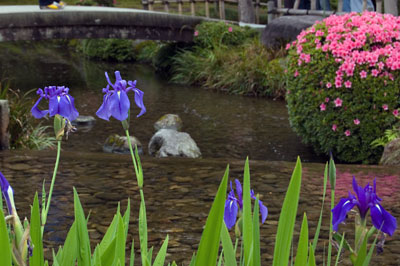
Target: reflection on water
<point>222,125</point>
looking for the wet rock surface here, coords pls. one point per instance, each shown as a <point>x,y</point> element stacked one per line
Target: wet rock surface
<point>119,144</point>
<point>169,121</point>
<point>179,193</point>
<point>169,142</point>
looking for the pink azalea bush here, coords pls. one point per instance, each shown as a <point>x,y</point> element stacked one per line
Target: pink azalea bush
<point>343,83</point>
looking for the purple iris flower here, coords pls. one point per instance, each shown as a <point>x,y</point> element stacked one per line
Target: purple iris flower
<point>60,103</point>
<point>116,102</point>
<point>366,200</point>
<point>232,205</point>
<point>8,193</point>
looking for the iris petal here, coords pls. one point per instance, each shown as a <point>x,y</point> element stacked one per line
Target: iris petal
<point>383,220</point>
<point>239,192</point>
<point>36,112</point>
<point>263,211</point>
<point>104,110</point>
<point>7,192</point>
<point>53,105</point>
<point>139,101</point>
<point>340,211</point>
<point>230,214</point>
<point>119,105</point>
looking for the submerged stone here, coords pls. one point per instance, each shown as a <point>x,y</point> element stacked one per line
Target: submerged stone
<point>169,121</point>
<point>119,144</point>
<point>169,142</point>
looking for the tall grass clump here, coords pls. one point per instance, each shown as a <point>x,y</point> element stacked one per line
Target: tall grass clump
<point>25,133</point>
<point>231,59</point>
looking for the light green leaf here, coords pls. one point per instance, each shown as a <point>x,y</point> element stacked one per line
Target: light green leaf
<point>5,254</point>
<point>256,234</point>
<point>120,241</point>
<point>287,219</point>
<point>143,230</point>
<point>302,248</point>
<point>132,258</point>
<point>83,243</point>
<point>311,256</point>
<point>55,260</point>
<point>139,168</point>
<point>207,252</point>
<point>247,217</point>
<point>69,253</point>
<point>229,253</point>
<point>37,258</point>
<point>127,216</point>
<point>220,258</point>
<point>193,260</point>
<point>110,235</point>
<point>108,255</point>
<point>159,261</point>
<point>370,252</point>
<point>96,260</point>
<point>332,173</point>
<point>150,255</point>
<point>340,250</point>
<point>316,236</point>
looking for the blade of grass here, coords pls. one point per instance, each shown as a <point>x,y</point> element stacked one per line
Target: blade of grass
<point>340,250</point>
<point>207,252</point>
<point>311,256</point>
<point>316,236</point>
<point>159,261</point>
<point>332,180</point>
<point>302,247</point>
<point>5,254</point>
<point>83,243</point>
<point>37,258</point>
<point>247,218</point>
<point>229,253</point>
<point>287,219</point>
<point>143,230</point>
<point>256,234</point>
<point>132,258</point>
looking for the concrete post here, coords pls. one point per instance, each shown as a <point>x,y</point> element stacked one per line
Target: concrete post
<point>4,120</point>
<point>271,10</point>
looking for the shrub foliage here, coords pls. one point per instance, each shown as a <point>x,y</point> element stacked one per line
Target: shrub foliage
<point>343,84</point>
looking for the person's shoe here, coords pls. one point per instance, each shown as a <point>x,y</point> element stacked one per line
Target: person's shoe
<point>53,6</point>
<point>62,4</point>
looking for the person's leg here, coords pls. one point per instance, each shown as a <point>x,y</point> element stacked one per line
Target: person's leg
<point>346,6</point>
<point>45,2</point>
<point>289,3</point>
<point>323,5</point>
<point>391,7</point>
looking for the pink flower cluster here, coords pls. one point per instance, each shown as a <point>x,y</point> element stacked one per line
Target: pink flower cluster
<point>345,37</point>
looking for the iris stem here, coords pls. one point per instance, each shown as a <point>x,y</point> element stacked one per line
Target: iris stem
<point>44,218</point>
<point>331,228</point>
<point>133,157</point>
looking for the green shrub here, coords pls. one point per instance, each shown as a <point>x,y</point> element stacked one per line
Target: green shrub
<point>146,50</point>
<point>246,70</point>
<point>163,58</point>
<point>109,49</point>
<point>211,34</point>
<point>343,84</point>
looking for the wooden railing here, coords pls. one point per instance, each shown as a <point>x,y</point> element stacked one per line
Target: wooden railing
<point>274,11</point>
<point>149,5</point>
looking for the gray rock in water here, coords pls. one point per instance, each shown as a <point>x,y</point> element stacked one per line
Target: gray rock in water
<point>84,120</point>
<point>169,142</point>
<point>391,153</point>
<point>119,144</point>
<point>286,28</point>
<point>169,121</point>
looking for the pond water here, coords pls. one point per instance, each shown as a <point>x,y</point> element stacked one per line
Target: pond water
<point>222,125</point>
<point>178,191</point>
